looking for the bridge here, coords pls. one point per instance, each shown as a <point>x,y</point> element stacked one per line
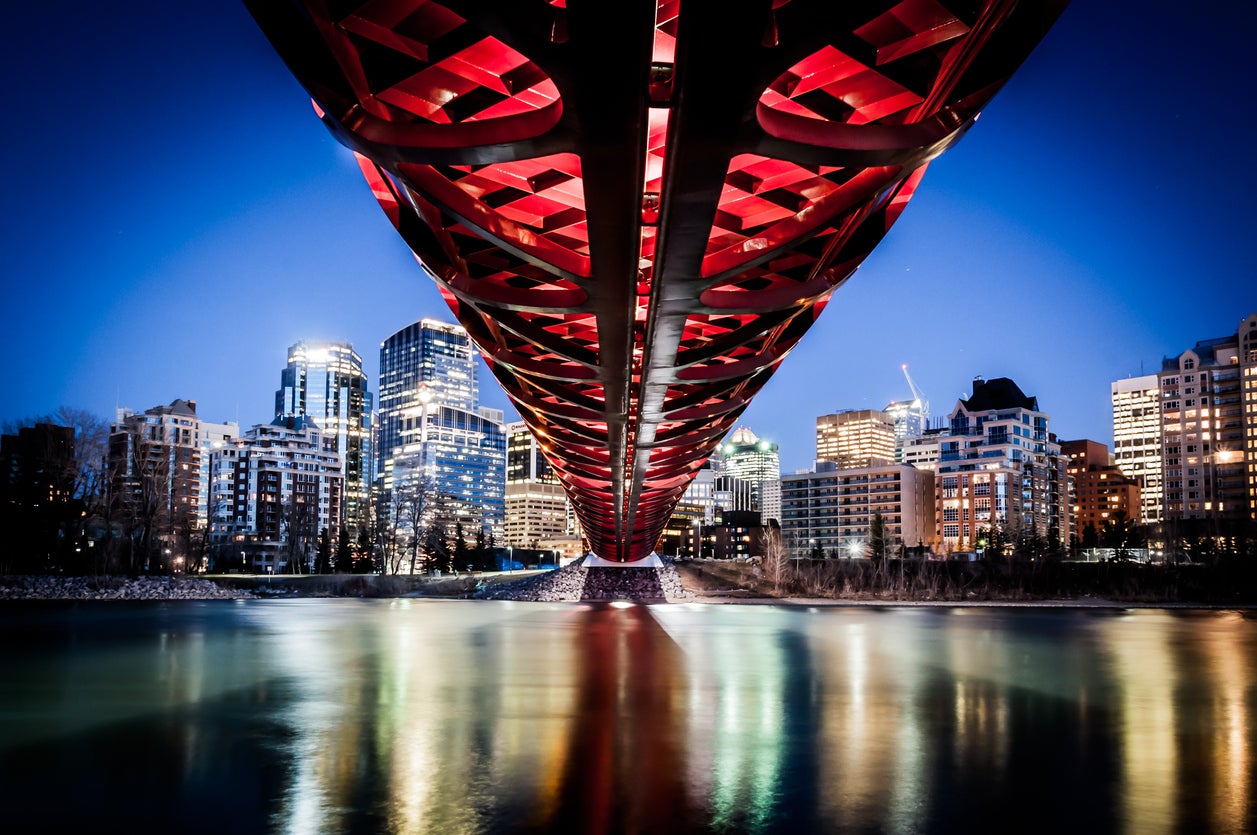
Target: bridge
<point>637,209</point>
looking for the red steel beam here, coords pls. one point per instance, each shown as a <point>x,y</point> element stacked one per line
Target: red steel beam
<point>637,209</point>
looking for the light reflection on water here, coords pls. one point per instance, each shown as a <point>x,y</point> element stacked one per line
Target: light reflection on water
<point>460,717</point>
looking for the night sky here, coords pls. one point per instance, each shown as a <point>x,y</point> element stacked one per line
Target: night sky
<point>175,217</point>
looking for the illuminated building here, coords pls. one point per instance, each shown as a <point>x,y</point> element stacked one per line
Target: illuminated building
<point>856,438</point>
<point>524,461</point>
<point>909,418</point>
<point>1209,428</point>
<point>1137,439</point>
<point>212,437</point>
<point>757,462</point>
<point>922,452</point>
<point>832,509</point>
<point>637,209</point>
<point>536,506</point>
<point>325,381</point>
<point>276,489</point>
<point>1101,491</point>
<point>1000,470</point>
<point>433,428</point>
<point>155,466</point>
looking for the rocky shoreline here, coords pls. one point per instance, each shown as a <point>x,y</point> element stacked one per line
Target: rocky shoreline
<point>569,584</point>
<point>575,582</point>
<point>108,587</point>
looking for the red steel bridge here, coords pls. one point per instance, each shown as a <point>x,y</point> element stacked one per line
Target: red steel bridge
<point>637,208</point>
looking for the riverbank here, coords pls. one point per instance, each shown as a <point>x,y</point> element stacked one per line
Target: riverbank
<point>108,587</point>
<point>819,583</point>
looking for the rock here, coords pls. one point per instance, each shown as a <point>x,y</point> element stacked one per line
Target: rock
<point>576,582</point>
<point>36,587</point>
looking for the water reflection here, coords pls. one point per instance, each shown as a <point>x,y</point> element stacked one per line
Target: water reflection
<point>460,717</point>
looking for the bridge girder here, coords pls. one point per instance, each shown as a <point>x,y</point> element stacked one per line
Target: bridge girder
<point>637,209</point>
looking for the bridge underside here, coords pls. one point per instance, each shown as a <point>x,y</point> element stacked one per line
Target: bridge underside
<point>637,209</point>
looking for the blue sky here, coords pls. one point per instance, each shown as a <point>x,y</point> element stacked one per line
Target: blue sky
<point>175,217</point>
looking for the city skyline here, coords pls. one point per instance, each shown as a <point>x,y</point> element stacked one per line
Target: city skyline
<point>187,219</point>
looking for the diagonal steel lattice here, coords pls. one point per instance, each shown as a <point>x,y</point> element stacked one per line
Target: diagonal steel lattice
<point>637,209</point>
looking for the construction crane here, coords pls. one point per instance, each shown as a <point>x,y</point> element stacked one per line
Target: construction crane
<point>918,395</point>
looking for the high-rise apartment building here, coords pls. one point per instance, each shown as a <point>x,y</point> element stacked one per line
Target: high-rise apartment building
<point>275,490</point>
<point>155,467</point>
<point>855,438</point>
<point>999,468</point>
<point>1102,493</point>
<point>922,452</point>
<point>1137,439</point>
<point>212,436</point>
<point>325,381</point>
<point>831,510</point>
<point>432,426</point>
<point>758,462</point>
<point>1209,428</point>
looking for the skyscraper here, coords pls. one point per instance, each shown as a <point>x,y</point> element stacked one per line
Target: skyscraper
<point>1209,428</point>
<point>324,381</point>
<point>432,426</point>
<point>757,461</point>
<point>536,506</point>
<point>1137,439</point>
<point>856,438</point>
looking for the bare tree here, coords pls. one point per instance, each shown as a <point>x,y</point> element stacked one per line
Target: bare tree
<point>141,480</point>
<point>389,532</point>
<point>417,497</point>
<point>776,557</point>
<point>300,529</point>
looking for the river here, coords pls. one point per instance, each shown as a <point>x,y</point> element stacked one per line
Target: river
<point>306,716</point>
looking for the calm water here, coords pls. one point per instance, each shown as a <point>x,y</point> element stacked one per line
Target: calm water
<point>457,717</point>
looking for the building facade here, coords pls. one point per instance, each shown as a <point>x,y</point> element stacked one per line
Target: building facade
<point>1000,472</point>
<point>155,470</point>
<point>432,429</point>
<point>1101,493</point>
<point>1137,439</point>
<point>213,436</point>
<point>831,510</point>
<point>910,418</point>
<point>276,489</point>
<point>325,381</point>
<point>922,452</point>
<point>855,438</point>
<point>1209,428</point>
<point>537,510</point>
<point>756,461</point>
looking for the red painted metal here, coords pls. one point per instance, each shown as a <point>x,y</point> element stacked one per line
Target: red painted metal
<point>638,209</point>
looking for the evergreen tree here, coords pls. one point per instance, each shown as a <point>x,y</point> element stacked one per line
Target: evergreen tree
<point>364,562</point>
<point>480,554</point>
<point>462,557</point>
<point>436,552</point>
<point>323,559</point>
<point>344,553</point>
<point>877,536</point>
